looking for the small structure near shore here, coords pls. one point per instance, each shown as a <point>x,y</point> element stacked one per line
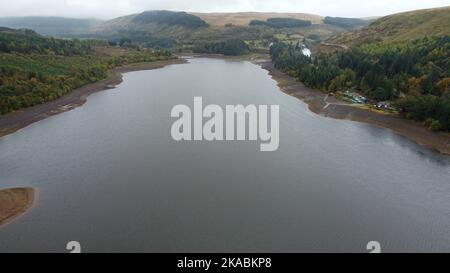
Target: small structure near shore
<point>355,97</point>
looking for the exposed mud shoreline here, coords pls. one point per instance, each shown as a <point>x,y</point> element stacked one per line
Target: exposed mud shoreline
<point>15,202</point>
<point>330,107</point>
<point>12,122</point>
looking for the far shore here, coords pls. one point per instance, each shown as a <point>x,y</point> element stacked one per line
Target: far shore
<point>15,202</point>
<point>319,103</point>
<point>12,122</point>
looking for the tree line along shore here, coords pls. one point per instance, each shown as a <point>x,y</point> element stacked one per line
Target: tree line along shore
<point>413,76</point>
<point>36,69</point>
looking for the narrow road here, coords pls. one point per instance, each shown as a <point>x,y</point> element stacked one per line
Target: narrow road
<point>325,99</point>
<point>326,102</point>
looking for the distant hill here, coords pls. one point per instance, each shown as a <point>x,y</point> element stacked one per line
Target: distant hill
<point>16,31</point>
<point>347,22</point>
<point>244,18</point>
<point>163,28</point>
<point>168,28</point>
<point>153,19</point>
<point>28,41</point>
<point>400,27</point>
<point>51,26</point>
<point>169,18</point>
<point>281,23</point>
<point>139,27</point>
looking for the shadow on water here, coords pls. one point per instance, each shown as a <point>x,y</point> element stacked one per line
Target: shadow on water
<point>407,144</point>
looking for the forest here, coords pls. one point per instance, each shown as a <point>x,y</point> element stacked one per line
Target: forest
<point>36,69</point>
<point>281,23</point>
<point>346,22</point>
<point>414,75</point>
<point>170,18</point>
<point>231,47</point>
<point>27,41</point>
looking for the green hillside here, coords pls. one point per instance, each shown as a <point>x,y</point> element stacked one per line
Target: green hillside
<point>36,69</point>
<point>170,18</point>
<point>351,23</point>
<point>154,22</point>
<point>403,58</point>
<point>400,27</point>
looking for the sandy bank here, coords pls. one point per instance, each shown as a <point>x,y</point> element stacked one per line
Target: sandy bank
<point>12,122</point>
<point>15,202</point>
<point>334,108</point>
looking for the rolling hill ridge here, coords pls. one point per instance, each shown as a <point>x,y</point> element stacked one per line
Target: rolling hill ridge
<point>400,27</point>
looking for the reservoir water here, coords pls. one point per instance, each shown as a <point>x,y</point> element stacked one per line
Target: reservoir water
<point>109,175</point>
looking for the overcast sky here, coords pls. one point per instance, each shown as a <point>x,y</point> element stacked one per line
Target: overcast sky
<point>107,9</point>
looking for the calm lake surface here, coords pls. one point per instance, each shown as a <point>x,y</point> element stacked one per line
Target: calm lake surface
<point>110,176</point>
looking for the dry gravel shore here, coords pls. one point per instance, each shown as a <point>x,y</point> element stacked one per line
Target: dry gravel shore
<point>15,202</point>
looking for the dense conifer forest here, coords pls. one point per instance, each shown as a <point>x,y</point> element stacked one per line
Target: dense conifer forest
<point>415,75</point>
